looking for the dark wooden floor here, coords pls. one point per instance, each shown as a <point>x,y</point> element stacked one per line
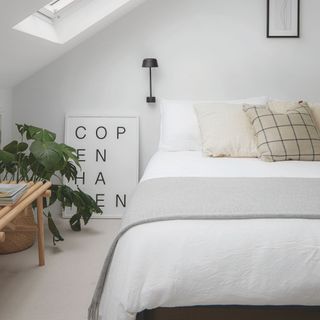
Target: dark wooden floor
<point>232,313</point>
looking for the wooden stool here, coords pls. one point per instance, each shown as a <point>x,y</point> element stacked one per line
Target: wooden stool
<point>36,192</point>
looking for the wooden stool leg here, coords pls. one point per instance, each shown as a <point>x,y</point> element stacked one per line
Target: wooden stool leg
<point>2,237</point>
<point>40,231</point>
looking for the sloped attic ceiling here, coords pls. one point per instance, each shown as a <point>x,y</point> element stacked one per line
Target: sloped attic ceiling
<point>22,54</point>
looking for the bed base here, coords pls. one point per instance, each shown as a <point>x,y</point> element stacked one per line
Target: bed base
<point>232,313</point>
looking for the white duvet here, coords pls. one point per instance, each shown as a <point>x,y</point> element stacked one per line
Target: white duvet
<point>188,263</point>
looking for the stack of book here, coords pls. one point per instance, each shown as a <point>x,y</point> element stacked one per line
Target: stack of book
<point>11,193</point>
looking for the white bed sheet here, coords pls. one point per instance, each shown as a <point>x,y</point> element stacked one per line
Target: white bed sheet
<point>194,164</point>
<point>188,263</point>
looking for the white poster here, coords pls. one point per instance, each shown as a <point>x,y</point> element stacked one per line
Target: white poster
<point>108,151</point>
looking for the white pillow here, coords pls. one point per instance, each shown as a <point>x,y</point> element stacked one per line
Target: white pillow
<point>179,129</point>
<point>226,131</point>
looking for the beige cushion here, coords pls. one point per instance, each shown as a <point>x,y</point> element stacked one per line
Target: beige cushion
<point>283,106</point>
<point>278,106</point>
<point>225,130</point>
<point>292,135</point>
<point>315,108</point>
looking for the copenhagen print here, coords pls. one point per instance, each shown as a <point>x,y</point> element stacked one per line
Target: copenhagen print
<point>108,151</point>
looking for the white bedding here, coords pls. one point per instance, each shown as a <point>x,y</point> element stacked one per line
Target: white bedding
<point>193,164</point>
<point>187,263</point>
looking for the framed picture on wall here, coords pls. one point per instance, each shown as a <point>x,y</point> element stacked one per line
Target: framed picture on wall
<point>283,18</point>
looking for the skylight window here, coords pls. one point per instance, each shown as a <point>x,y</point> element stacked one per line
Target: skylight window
<point>54,8</point>
<point>62,20</point>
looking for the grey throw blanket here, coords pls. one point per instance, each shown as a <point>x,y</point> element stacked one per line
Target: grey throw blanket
<point>166,199</point>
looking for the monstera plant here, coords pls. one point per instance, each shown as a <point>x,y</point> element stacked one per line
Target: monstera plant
<point>38,157</point>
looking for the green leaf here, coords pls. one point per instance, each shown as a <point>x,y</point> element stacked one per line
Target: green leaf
<point>38,134</point>
<point>64,195</point>
<point>11,168</point>
<point>12,147</point>
<point>77,199</point>
<point>45,136</point>
<point>48,155</point>
<point>24,165</point>
<point>38,170</point>
<point>85,214</point>
<point>6,157</point>
<point>75,222</point>
<point>54,230</point>
<point>69,153</point>
<point>69,171</point>
<point>21,128</point>
<point>67,196</point>
<point>22,146</point>
<point>54,195</point>
<point>91,203</point>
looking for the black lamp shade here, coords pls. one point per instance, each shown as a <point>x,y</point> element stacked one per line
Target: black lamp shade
<point>150,63</point>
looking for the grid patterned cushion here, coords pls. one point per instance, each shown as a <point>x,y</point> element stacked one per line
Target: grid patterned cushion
<point>293,135</point>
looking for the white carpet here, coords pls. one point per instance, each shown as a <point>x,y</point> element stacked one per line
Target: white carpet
<point>61,290</point>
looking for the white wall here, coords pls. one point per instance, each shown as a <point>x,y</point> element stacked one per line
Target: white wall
<point>206,49</point>
<point>6,113</point>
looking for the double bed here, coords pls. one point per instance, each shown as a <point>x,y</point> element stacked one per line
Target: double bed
<point>262,259</point>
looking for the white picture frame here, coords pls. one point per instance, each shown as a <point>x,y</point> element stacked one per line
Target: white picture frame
<point>283,18</point>
<point>108,148</point>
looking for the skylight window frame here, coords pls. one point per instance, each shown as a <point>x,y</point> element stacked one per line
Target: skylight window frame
<point>45,14</point>
<point>74,20</point>
<point>52,15</point>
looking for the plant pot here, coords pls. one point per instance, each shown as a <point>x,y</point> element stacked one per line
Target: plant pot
<point>17,241</point>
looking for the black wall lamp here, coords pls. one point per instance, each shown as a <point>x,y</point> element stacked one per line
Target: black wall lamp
<point>150,63</point>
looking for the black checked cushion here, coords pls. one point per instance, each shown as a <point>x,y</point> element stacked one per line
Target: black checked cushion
<point>293,135</point>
